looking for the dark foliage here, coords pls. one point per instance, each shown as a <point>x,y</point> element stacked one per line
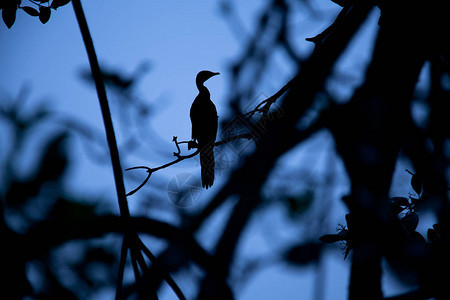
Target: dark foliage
<point>40,219</point>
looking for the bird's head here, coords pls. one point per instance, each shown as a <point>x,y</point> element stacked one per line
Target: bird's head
<point>202,76</point>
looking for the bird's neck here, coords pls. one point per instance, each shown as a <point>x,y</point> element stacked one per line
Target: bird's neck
<point>201,88</point>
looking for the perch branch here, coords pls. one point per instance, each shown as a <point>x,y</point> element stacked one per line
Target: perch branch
<point>180,157</point>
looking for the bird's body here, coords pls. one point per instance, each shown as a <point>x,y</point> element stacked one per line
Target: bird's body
<point>204,127</point>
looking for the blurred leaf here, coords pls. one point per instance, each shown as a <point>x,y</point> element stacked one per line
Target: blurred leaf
<point>19,192</point>
<point>99,254</point>
<point>44,14</point>
<point>59,3</point>
<point>9,14</point>
<point>54,159</point>
<point>410,221</point>
<point>300,203</point>
<point>72,212</point>
<point>304,253</point>
<point>31,11</point>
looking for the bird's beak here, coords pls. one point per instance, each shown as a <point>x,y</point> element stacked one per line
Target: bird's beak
<point>216,73</point>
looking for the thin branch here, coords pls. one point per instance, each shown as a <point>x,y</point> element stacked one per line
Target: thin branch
<point>247,136</point>
<point>166,275</point>
<point>133,256</point>
<point>151,170</point>
<point>123,258</point>
<point>140,257</point>
<point>264,106</point>
<point>104,106</point>
<point>180,157</point>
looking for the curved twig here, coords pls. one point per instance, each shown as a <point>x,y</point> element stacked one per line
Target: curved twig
<point>181,157</point>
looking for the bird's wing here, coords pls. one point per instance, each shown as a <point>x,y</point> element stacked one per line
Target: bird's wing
<point>196,119</point>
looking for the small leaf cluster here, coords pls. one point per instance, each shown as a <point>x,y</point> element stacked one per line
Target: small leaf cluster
<point>41,9</point>
<point>343,235</point>
<point>405,208</point>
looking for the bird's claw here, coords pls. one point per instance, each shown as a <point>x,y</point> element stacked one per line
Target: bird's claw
<point>192,145</point>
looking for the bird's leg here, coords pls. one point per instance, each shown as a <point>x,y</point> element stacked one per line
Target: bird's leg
<point>192,145</point>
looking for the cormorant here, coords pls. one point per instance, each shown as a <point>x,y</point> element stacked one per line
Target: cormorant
<point>204,127</point>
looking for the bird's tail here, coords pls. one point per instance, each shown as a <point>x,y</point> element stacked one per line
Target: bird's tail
<point>207,166</point>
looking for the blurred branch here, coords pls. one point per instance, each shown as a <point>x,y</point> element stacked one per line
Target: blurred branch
<point>52,233</point>
<point>278,138</point>
<point>281,134</point>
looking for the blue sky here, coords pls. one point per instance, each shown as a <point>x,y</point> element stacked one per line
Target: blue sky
<point>178,38</point>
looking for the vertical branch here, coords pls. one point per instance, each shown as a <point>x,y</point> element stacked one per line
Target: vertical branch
<point>129,241</point>
<point>123,258</point>
<point>109,129</point>
<point>104,106</point>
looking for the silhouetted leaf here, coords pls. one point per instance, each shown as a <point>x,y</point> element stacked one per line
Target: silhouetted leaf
<point>402,201</point>
<point>9,15</point>
<point>416,236</point>
<point>332,238</point>
<point>432,235</point>
<point>31,11</point>
<point>399,204</point>
<point>347,251</point>
<point>304,253</point>
<point>59,3</point>
<point>437,227</point>
<point>416,182</point>
<point>410,221</point>
<point>341,3</point>
<point>44,14</point>
<point>349,220</point>
<point>414,200</point>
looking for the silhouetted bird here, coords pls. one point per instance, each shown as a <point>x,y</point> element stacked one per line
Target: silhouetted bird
<point>204,127</point>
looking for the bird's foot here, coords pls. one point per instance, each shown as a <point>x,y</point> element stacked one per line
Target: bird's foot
<point>192,145</point>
